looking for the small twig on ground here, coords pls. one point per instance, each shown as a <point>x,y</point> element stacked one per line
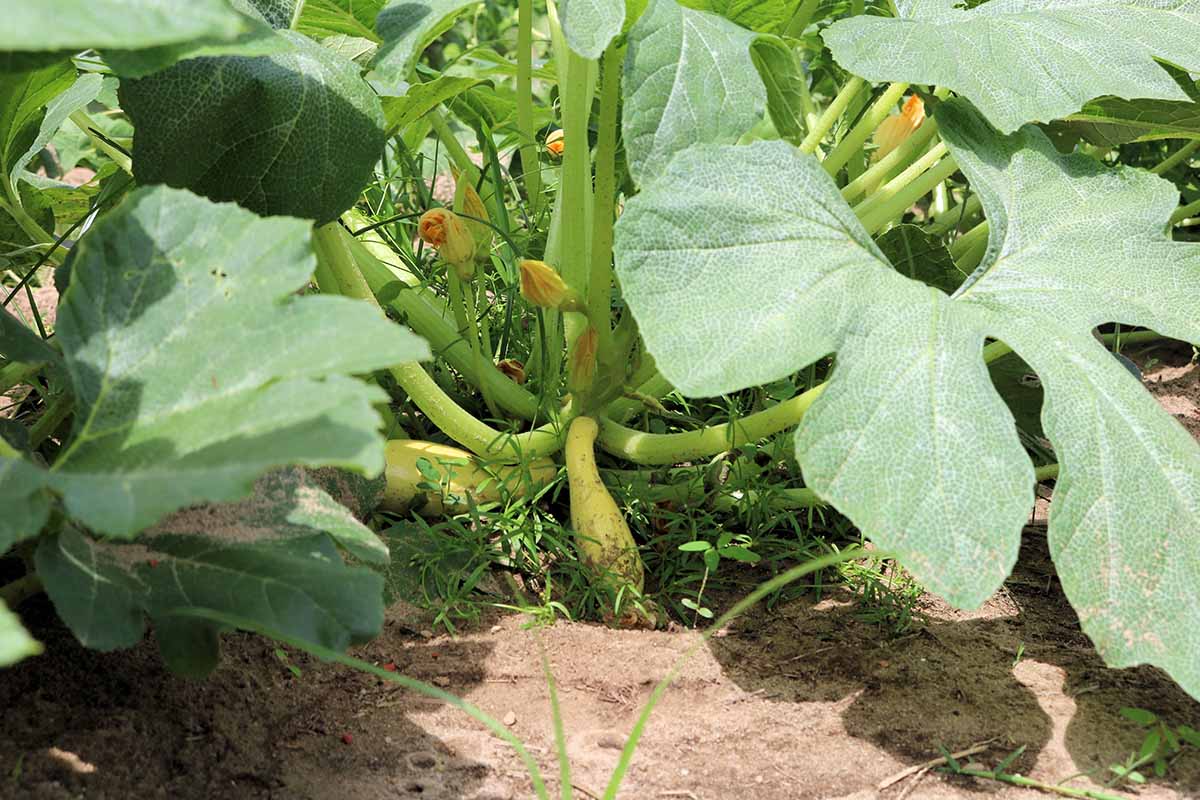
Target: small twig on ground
<point>974,749</point>
<point>912,785</point>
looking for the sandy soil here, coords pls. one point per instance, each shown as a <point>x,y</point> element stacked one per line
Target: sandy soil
<point>802,701</point>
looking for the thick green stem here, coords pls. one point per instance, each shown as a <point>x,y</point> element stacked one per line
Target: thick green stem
<point>802,17</point>
<point>893,199</point>
<point>672,448</point>
<point>456,422</point>
<point>576,183</point>
<point>872,119</point>
<point>1183,212</point>
<point>119,158</point>
<point>58,410</point>
<point>600,276</point>
<point>530,162</point>
<point>828,119</point>
<point>27,223</point>
<point>901,156</point>
<point>427,314</point>
<point>1177,157</point>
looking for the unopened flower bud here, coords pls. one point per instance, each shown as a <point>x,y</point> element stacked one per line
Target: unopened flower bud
<point>543,287</point>
<point>582,369</point>
<point>471,204</point>
<point>444,230</point>
<point>555,143</point>
<point>514,369</point>
<point>898,127</point>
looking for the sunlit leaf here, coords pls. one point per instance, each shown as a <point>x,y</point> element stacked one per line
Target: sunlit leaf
<point>716,98</point>
<point>1021,61</point>
<point>15,642</point>
<point>743,265</point>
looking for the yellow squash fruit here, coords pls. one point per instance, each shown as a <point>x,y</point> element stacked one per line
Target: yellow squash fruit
<point>601,533</point>
<point>459,476</point>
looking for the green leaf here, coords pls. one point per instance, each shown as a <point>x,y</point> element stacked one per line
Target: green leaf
<point>259,559</point>
<point>740,282</point>
<point>258,39</point>
<point>1110,121</point>
<point>590,25</point>
<point>406,28</point>
<point>276,13</point>
<point>15,642</point>
<point>19,343</point>
<point>23,100</point>
<point>421,98</point>
<point>695,547</point>
<point>783,76</point>
<point>195,373</point>
<point>921,256</point>
<point>83,91</point>
<point>321,18</point>
<point>1139,716</point>
<point>25,501</point>
<point>296,133</point>
<point>688,79</point>
<point>1020,61</point>
<point>763,16</point>
<point>124,24</point>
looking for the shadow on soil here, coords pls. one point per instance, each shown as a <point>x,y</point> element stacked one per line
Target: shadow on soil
<point>77,722</point>
<point>957,681</point>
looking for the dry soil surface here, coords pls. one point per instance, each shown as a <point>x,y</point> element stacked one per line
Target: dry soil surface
<point>805,700</point>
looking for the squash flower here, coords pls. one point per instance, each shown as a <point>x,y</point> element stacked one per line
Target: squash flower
<point>898,127</point>
<point>545,288</point>
<point>513,369</point>
<point>582,369</point>
<point>443,230</point>
<point>472,206</point>
<point>555,143</point>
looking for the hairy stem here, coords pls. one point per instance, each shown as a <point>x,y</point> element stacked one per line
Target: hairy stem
<point>901,156</point>
<point>600,276</point>
<point>895,197</point>
<point>872,119</point>
<point>530,163</point>
<point>453,420</point>
<point>831,115</point>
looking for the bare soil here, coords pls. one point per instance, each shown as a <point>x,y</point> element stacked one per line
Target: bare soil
<point>804,700</point>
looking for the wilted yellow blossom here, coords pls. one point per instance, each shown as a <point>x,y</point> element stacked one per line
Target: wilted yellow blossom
<point>444,230</point>
<point>582,369</point>
<point>514,369</point>
<point>898,127</point>
<point>543,287</point>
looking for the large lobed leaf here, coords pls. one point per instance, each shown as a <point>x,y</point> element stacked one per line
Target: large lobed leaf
<point>1026,60</point>
<point>590,25</point>
<point>264,560</point>
<point>743,264</point>
<point>296,133</point>
<point>196,370</point>
<point>124,24</point>
<point>688,79</point>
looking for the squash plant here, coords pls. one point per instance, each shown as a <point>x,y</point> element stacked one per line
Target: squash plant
<point>737,194</point>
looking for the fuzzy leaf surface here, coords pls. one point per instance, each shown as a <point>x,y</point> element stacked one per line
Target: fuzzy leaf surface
<point>743,264</point>
<point>118,24</point>
<point>1022,61</point>
<point>590,25</point>
<point>195,370</point>
<point>295,133</point>
<point>688,79</point>
<point>406,28</point>
<point>762,16</point>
